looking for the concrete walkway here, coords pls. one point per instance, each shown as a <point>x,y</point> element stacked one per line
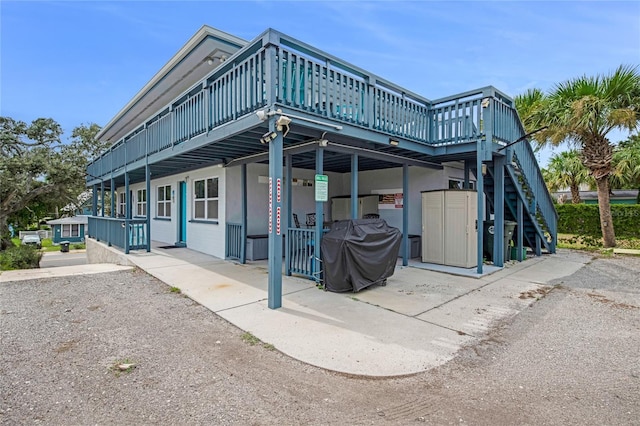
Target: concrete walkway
<point>418,321</point>
<point>60,271</point>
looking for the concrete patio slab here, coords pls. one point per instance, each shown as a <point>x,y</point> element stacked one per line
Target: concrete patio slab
<point>418,321</point>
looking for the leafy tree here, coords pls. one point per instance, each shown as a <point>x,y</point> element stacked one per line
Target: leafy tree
<point>582,111</point>
<point>37,171</point>
<point>626,165</point>
<point>565,170</point>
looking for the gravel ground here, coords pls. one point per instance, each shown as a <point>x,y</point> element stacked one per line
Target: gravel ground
<point>572,358</point>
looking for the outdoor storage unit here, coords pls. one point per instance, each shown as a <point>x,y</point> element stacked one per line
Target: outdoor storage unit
<point>449,233</point>
<point>341,206</point>
<point>358,253</point>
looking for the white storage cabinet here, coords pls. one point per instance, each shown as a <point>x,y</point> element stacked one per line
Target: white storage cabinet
<point>449,232</point>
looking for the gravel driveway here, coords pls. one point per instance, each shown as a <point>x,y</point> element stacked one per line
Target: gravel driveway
<point>572,358</point>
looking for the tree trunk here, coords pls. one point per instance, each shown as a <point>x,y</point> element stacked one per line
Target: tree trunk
<point>575,194</point>
<point>606,220</point>
<point>5,236</point>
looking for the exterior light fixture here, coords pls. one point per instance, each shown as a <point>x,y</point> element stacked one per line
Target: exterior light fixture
<point>393,142</point>
<point>268,137</point>
<point>484,169</point>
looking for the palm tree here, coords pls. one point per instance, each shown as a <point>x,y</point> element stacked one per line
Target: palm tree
<point>582,111</point>
<point>565,170</point>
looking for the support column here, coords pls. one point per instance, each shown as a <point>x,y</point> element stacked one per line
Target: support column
<point>289,192</point>
<point>94,201</point>
<point>354,186</point>
<point>147,177</point>
<point>102,198</point>
<point>317,266</point>
<point>405,215</point>
<point>113,197</point>
<point>243,213</point>
<point>467,167</point>
<point>498,211</point>
<point>520,228</point>
<point>127,212</point>
<point>480,206</point>
<point>275,213</point>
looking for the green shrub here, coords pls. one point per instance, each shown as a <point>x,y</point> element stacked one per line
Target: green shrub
<point>584,219</point>
<point>20,257</point>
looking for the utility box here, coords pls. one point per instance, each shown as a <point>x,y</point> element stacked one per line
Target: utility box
<point>449,232</point>
<point>341,206</point>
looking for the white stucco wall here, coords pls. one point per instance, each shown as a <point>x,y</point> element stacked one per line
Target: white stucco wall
<point>420,179</point>
<point>258,196</point>
<point>209,237</point>
<point>205,236</point>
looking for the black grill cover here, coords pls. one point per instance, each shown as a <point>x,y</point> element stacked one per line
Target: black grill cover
<point>357,253</point>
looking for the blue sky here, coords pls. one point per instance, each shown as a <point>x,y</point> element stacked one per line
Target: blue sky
<point>81,62</point>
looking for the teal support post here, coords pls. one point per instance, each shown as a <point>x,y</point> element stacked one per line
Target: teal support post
<point>94,201</point>
<point>113,196</point>
<point>520,229</point>
<point>289,192</point>
<point>498,212</point>
<point>243,219</point>
<point>102,198</point>
<point>128,212</point>
<point>405,215</point>
<point>147,177</point>
<point>354,186</point>
<point>275,214</point>
<point>467,168</point>
<point>317,255</point>
<point>480,206</point>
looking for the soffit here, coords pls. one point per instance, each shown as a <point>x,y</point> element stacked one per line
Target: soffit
<point>184,70</point>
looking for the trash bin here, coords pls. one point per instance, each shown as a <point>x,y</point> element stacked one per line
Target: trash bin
<point>64,246</point>
<point>509,227</point>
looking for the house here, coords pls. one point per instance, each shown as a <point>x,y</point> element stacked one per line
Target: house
<point>71,229</point>
<point>232,142</point>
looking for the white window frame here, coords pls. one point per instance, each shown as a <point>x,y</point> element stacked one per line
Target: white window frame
<point>122,204</point>
<point>206,199</point>
<point>72,230</point>
<point>141,203</point>
<point>163,201</point>
<point>460,182</point>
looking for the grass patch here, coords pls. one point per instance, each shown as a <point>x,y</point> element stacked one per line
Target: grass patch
<point>250,339</point>
<point>579,242</point>
<point>175,290</point>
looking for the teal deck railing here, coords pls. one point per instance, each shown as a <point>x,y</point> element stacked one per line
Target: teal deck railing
<point>127,234</point>
<point>233,248</point>
<point>301,259</point>
<point>276,70</point>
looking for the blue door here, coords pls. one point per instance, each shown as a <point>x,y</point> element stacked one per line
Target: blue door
<point>182,214</point>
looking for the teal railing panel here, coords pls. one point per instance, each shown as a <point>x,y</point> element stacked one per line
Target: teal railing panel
<point>189,118</point>
<point>301,252</point>
<point>457,120</point>
<point>127,234</point>
<point>234,241</point>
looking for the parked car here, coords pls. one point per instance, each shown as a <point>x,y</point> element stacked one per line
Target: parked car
<point>32,240</point>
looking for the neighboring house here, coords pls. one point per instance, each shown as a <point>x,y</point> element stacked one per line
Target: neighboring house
<point>232,141</point>
<point>71,229</point>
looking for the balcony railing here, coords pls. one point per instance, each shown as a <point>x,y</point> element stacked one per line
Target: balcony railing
<point>127,234</point>
<point>277,70</point>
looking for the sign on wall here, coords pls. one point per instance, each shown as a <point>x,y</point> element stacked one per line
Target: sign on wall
<point>322,188</point>
<point>389,198</point>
